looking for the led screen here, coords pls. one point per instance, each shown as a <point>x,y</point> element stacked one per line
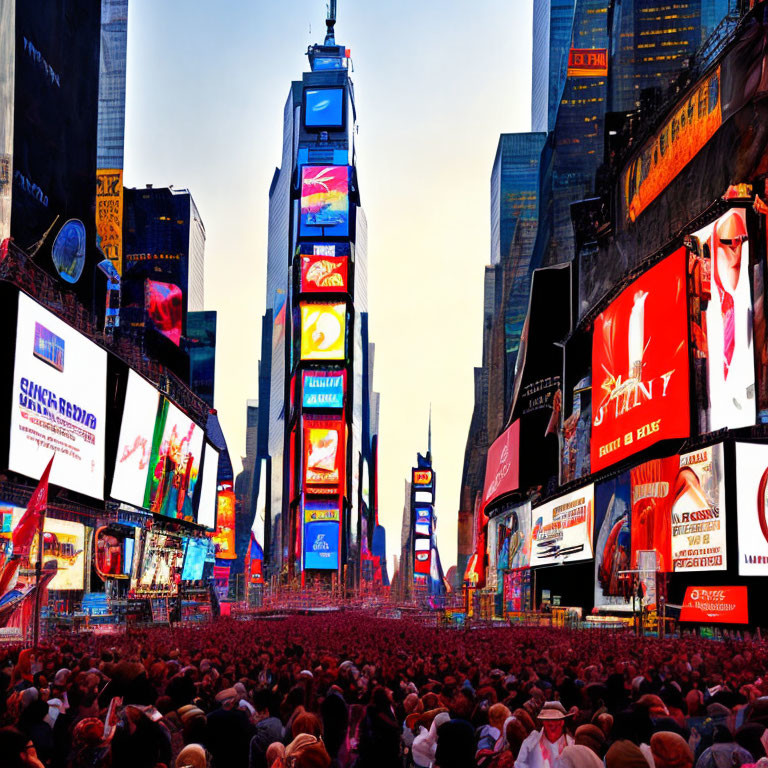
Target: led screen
<point>423,528</point>
<point>322,274</point>
<point>196,550</point>
<point>59,402</point>
<point>323,390</point>
<point>715,605</point>
<point>164,303</point>
<point>421,564</point>
<point>321,545</point>
<point>423,496</point>
<point>174,464</point>
<point>162,559</point>
<point>724,336</point>
<point>751,498</point>
<point>422,477</point>
<point>640,365</point>
<point>562,529</point>
<point>323,328</point>
<point>514,538</point>
<point>109,553</point>
<point>129,546</point>
<point>325,201</point>
<point>206,511</point>
<point>224,538</point>
<point>423,513</point>
<point>321,511</point>
<point>651,528</point>
<point>613,549</point>
<point>135,445</point>
<point>324,107</point>
<point>502,468</point>
<point>323,453</point>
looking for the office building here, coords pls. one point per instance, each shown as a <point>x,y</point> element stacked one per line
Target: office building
<point>112,69</point>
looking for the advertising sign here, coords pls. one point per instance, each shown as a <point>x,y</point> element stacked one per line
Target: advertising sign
<point>162,559</point>
<point>325,201</point>
<point>109,215</point>
<point>694,121</point>
<point>422,477</point>
<point>321,545</point>
<point>588,62</point>
<point>196,550</point>
<point>613,550</point>
<point>725,339</point>
<point>640,365</point>
<point>698,512</point>
<point>135,444</point>
<point>323,331</point>
<point>562,529</point>
<point>323,107</point>
<point>517,533</point>
<point>715,605</point>
<point>323,453</point>
<point>327,511</point>
<point>206,510</point>
<point>164,303</point>
<point>59,402</point>
<point>652,486</point>
<point>323,390</point>
<point>323,274</point>
<point>502,465</point>
<point>752,508</point>
<point>224,537</point>
<point>421,557</point>
<point>423,497</point>
<point>174,463</point>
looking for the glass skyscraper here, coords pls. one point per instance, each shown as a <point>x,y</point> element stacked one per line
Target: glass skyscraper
<point>112,67</point>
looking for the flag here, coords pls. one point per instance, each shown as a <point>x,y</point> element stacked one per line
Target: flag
<point>253,562</point>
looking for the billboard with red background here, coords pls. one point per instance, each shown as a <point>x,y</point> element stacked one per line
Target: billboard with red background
<point>502,468</point>
<point>715,605</point>
<point>323,274</point>
<point>164,303</point>
<point>640,365</point>
<point>323,455</point>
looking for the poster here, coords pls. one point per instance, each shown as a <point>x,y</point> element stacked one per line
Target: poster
<point>162,559</point>
<point>59,402</point>
<point>206,510</point>
<point>323,331</point>
<point>640,365</point>
<point>321,545</point>
<point>752,509</point>
<point>698,512</point>
<point>164,304</point>
<point>715,605</point>
<point>224,537</point>
<point>324,201</point>
<point>323,453</point>
<point>562,529</point>
<point>502,465</point>
<point>652,487</point>
<point>613,550</point>
<point>109,215</point>
<point>134,447</point>
<point>324,274</point>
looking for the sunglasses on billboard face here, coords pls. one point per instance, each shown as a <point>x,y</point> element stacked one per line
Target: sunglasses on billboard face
<point>733,241</point>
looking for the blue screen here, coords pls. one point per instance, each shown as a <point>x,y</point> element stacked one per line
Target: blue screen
<point>128,545</point>
<point>194,559</point>
<point>324,107</point>
<point>321,545</point>
<point>323,391</point>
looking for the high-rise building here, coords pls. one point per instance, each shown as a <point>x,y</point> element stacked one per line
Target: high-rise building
<point>316,371</point>
<point>200,344</point>
<point>112,69</point>
<point>552,22</point>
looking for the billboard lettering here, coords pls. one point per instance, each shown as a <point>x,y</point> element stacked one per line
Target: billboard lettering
<point>587,62</point>
<point>502,468</point>
<point>715,605</point>
<point>323,390</point>
<point>109,215</point>
<point>562,529</point>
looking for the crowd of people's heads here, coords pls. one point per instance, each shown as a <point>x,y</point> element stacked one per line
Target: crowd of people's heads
<point>349,689</point>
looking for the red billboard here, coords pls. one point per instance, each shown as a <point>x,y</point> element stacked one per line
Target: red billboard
<point>715,605</point>
<point>323,456</point>
<point>588,62</point>
<point>422,477</point>
<point>640,365</point>
<point>323,273</point>
<point>164,302</point>
<point>502,468</point>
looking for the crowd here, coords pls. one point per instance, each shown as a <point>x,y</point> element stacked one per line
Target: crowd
<point>349,689</point>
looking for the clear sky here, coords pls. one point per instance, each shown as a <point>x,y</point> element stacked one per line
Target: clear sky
<point>436,82</point>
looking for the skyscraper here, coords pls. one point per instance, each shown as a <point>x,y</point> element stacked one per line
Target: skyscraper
<point>319,404</point>
<point>112,68</point>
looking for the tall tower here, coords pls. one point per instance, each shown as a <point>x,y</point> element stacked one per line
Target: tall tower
<point>320,520</point>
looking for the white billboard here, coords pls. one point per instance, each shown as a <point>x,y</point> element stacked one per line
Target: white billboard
<point>206,511</point>
<point>59,402</point>
<point>134,448</point>
<point>562,529</point>
<point>751,492</point>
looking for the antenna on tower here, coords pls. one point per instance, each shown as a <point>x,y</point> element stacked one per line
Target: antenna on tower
<point>330,22</point>
<point>429,435</point>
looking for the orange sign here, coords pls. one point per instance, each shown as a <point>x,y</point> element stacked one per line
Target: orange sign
<point>224,538</point>
<point>588,62</point>
<point>715,605</point>
<point>109,215</point>
<point>694,121</point>
<point>422,477</point>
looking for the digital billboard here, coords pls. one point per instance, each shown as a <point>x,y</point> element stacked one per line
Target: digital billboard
<point>517,533</point>
<point>321,511</point>
<point>323,331</point>
<point>164,303</point>
<point>652,484</point>
<point>195,552</point>
<point>698,512</point>
<point>613,548</point>
<point>174,463</point>
<point>206,510</point>
<point>321,545</point>
<point>640,365</point>
<point>113,552</point>
<point>588,62</point>
<point>502,465</point>
<point>224,537</point>
<point>322,274</point>
<point>324,201</point>
<point>423,497</point>
<point>421,557</point>
<point>752,508</point>
<point>725,337</point>
<point>321,389</point>
<point>422,478</point>
<point>561,530</point>
<point>109,215</point>
<point>715,605</point>
<point>135,444</point>
<point>162,558</point>
<point>200,344</point>
<point>59,402</point>
<point>323,108</point>
<point>323,455</point>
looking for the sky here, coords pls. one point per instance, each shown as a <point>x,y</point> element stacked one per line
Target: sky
<point>436,82</point>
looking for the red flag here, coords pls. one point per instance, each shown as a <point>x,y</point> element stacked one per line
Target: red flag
<point>26,528</point>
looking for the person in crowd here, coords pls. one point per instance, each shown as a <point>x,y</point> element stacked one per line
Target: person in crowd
<point>542,748</point>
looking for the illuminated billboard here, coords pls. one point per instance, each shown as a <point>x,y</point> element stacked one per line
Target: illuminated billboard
<point>109,215</point>
<point>323,455</point>
<point>224,537</point>
<point>195,553</point>
<point>324,201</point>
<point>422,496</point>
<point>421,556</point>
<point>650,516</point>
<point>587,62</point>
<point>752,508</point>
<point>422,477</point>
<point>162,558</point>
<point>322,389</point>
<point>322,274</point>
<point>613,549</point>
<point>640,365</point>
<point>502,465</point>
<point>323,108</point>
<point>164,303</point>
<point>206,510</point>
<point>135,444</point>
<point>59,402</point>
<point>724,335</point>
<point>174,463</point>
<point>321,545</point>
<point>562,529</point>
<point>715,605</point>
<point>321,511</point>
<point>323,331</point>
